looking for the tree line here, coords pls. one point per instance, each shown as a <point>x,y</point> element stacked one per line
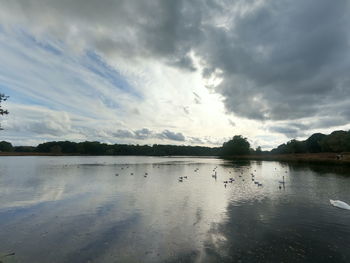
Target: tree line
<point>337,141</point>
<point>98,148</point>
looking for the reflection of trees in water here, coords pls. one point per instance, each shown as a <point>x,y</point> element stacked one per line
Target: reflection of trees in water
<point>239,163</point>
<point>268,232</point>
<point>321,168</point>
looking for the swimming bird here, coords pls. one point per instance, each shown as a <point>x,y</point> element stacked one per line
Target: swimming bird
<point>116,174</point>
<point>340,204</point>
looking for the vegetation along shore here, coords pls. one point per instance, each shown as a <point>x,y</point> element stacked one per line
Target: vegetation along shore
<point>332,148</point>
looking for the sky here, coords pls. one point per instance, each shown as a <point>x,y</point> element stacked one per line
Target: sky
<point>193,72</point>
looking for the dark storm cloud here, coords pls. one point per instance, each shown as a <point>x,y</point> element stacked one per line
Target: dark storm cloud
<point>131,28</point>
<point>283,60</point>
<point>278,60</point>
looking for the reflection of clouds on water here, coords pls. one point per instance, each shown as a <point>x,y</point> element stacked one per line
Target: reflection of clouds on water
<point>258,232</point>
<point>78,209</point>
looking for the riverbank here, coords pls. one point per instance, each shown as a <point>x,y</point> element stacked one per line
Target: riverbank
<point>35,154</point>
<point>326,158</point>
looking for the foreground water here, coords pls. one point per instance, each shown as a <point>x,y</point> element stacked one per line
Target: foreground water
<point>104,209</point>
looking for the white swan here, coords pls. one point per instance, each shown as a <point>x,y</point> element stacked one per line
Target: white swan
<point>340,204</point>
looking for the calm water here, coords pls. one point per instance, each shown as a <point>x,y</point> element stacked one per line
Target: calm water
<point>75,209</point>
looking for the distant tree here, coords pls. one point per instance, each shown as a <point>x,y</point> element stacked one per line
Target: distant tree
<point>24,149</point>
<point>5,147</point>
<point>258,150</point>
<point>295,146</point>
<point>337,141</point>
<point>238,145</point>
<point>313,143</point>
<point>56,149</point>
<point>280,149</point>
<point>3,97</point>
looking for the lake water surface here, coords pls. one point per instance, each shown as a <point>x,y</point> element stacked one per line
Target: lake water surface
<point>104,209</point>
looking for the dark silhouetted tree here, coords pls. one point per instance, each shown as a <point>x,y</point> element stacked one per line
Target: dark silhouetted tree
<point>337,141</point>
<point>258,150</point>
<point>5,147</point>
<point>313,143</point>
<point>238,145</point>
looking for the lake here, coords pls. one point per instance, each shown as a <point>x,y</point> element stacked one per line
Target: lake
<point>136,209</point>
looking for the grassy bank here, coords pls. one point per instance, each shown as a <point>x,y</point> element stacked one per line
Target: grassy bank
<point>326,158</point>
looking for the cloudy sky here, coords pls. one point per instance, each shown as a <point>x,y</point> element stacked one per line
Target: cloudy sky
<point>192,72</point>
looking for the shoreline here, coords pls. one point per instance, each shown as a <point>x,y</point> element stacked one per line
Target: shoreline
<point>77,154</point>
<point>319,158</point>
<point>322,158</point>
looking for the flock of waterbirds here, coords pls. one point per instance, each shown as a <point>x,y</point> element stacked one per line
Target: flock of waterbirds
<point>231,180</point>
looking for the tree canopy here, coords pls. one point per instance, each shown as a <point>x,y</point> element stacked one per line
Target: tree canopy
<point>337,141</point>
<point>238,145</point>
